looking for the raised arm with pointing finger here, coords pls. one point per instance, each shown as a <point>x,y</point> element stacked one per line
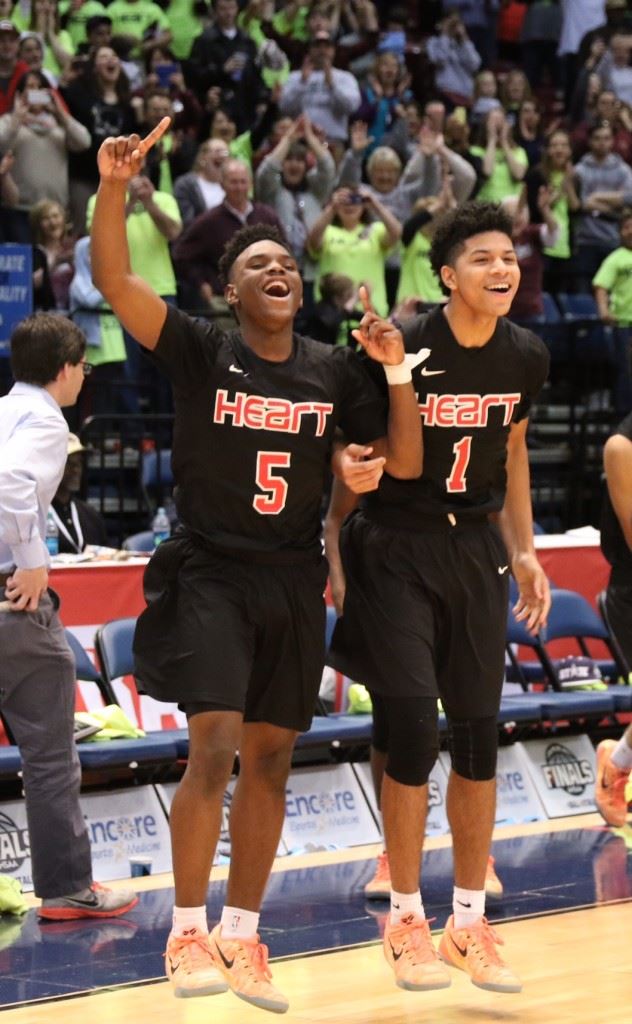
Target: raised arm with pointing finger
<point>141,311</point>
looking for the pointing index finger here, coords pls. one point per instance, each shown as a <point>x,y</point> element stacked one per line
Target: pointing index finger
<point>154,136</point>
<point>365,300</point>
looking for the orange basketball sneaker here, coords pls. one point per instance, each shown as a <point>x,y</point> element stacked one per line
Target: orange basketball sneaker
<point>244,964</point>
<point>409,950</point>
<point>473,950</point>
<point>610,786</point>
<point>493,885</point>
<point>190,966</point>
<point>379,888</point>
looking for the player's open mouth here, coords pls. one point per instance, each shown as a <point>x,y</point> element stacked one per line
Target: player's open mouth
<point>277,289</point>
<point>501,289</point>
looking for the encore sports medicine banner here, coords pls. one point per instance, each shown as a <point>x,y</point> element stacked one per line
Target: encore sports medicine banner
<point>16,289</point>
<point>122,825</point>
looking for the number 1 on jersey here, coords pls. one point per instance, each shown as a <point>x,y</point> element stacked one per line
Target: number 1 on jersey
<point>273,500</point>
<point>462,451</point>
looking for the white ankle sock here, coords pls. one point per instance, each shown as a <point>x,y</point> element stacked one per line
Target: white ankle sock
<point>468,906</point>
<point>189,919</point>
<point>622,754</point>
<point>239,924</point>
<point>405,903</point>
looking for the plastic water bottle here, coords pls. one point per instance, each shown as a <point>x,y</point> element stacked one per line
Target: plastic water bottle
<point>161,527</point>
<point>52,535</point>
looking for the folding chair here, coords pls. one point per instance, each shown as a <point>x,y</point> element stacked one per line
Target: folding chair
<point>113,644</point>
<point>614,643</point>
<point>571,616</point>
<point>143,541</point>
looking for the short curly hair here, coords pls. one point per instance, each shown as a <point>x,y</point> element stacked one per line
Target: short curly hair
<point>455,227</point>
<point>244,238</point>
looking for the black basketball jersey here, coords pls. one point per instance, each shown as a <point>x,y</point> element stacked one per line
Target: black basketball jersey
<point>468,399</point>
<point>613,543</point>
<point>252,438</point>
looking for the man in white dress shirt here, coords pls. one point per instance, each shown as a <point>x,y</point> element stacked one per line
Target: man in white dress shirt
<point>37,672</point>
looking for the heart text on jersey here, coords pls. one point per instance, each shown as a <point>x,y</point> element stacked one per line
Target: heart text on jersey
<point>466,410</point>
<point>258,413</point>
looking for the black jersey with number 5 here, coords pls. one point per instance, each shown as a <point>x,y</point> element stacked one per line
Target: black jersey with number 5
<point>468,399</point>
<point>252,438</point>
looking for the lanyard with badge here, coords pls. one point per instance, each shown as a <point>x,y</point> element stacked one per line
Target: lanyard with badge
<point>74,515</point>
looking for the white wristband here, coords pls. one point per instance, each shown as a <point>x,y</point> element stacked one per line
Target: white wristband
<point>399,374</point>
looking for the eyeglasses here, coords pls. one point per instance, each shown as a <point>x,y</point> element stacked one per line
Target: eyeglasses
<point>87,368</point>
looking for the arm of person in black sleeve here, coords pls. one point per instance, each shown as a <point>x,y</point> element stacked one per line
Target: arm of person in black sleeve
<point>413,224</point>
<point>263,126</point>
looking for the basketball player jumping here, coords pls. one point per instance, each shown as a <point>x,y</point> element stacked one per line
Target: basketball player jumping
<point>426,565</point>
<point>235,624</point>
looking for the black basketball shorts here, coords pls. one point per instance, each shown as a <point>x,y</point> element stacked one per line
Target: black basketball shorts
<point>218,630</point>
<point>425,614</point>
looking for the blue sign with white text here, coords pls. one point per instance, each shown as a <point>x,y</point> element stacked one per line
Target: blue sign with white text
<point>16,289</point>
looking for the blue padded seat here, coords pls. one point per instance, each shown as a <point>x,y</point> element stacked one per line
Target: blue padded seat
<point>155,747</point>
<point>622,697</point>
<point>576,703</point>
<point>336,728</point>
<point>524,707</point>
<point>10,760</point>
<point>181,739</point>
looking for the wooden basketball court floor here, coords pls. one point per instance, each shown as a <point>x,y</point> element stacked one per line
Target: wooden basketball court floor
<point>566,919</point>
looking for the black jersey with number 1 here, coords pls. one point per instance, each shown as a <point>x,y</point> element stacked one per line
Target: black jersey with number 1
<point>468,399</point>
<point>253,438</point>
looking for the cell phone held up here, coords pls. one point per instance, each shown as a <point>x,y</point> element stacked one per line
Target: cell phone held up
<point>164,72</point>
<point>38,97</point>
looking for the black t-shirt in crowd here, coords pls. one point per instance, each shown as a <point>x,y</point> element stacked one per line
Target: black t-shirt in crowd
<point>468,399</point>
<point>252,438</point>
<point>613,543</point>
<point>102,121</point>
<point>91,526</point>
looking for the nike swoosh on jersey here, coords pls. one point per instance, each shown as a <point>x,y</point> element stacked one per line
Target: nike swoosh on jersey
<point>425,372</point>
<point>502,569</point>
<point>234,369</point>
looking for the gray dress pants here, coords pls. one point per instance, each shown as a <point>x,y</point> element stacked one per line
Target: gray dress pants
<point>37,700</point>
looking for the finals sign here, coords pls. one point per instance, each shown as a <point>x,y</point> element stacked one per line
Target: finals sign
<point>563,772</point>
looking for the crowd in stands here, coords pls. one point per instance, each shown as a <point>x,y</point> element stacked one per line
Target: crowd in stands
<point>350,124</point>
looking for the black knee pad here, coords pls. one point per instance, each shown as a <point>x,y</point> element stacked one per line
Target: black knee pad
<point>473,746</point>
<point>413,739</point>
<point>379,732</point>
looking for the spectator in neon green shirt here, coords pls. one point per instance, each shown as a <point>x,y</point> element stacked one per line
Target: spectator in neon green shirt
<point>556,172</point>
<point>74,17</point>
<point>417,278</point>
<point>613,280</point>
<point>185,26</point>
<point>504,163</point>
<point>613,295</point>
<point>58,45</point>
<point>345,240</point>
<point>135,18</point>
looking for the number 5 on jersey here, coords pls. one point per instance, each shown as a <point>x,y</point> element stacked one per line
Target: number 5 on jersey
<point>274,486</point>
<point>462,450</point>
